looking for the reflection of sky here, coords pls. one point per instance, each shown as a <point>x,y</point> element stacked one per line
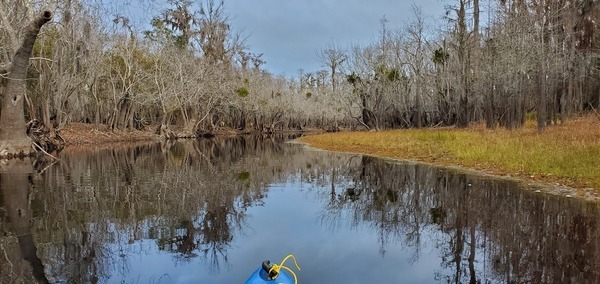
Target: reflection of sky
<point>289,222</point>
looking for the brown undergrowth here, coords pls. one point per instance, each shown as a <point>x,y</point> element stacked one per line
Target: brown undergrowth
<point>86,134</point>
<point>83,137</point>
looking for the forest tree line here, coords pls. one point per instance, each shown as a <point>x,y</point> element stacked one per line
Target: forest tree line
<point>489,61</point>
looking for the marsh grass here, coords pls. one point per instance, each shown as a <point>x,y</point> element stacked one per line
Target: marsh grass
<point>568,154</point>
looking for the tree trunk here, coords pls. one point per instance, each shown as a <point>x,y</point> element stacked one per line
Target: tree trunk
<point>418,104</point>
<point>463,102</point>
<point>13,137</point>
<point>542,104</point>
<point>122,112</point>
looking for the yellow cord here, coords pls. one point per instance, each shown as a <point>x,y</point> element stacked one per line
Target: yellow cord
<point>278,267</point>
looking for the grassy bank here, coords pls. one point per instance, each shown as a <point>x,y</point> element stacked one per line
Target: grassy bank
<point>568,154</point>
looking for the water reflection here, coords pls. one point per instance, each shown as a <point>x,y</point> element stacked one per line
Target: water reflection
<point>96,216</point>
<point>492,231</point>
<point>22,263</point>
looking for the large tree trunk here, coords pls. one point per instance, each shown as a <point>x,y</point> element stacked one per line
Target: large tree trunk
<point>13,137</point>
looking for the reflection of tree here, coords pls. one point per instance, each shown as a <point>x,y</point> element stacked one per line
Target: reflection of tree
<point>458,225</point>
<point>372,197</point>
<point>18,265</point>
<point>210,234</point>
<point>493,230</point>
<point>190,197</point>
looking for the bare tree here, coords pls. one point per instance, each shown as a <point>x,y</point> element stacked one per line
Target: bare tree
<point>13,136</point>
<point>462,49</point>
<point>332,57</point>
<point>125,77</point>
<point>416,61</point>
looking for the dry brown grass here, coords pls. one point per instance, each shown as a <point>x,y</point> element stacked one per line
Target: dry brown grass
<point>568,154</point>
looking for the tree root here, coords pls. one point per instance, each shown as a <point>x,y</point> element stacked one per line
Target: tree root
<point>45,140</point>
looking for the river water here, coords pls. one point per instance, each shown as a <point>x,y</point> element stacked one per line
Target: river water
<point>211,210</point>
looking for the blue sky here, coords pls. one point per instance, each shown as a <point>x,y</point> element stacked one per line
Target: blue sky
<point>289,33</point>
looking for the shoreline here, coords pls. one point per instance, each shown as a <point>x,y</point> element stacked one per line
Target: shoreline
<point>88,137</point>
<point>80,134</point>
<point>542,187</point>
<point>562,159</point>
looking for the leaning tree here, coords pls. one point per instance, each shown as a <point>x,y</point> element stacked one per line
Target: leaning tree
<point>14,140</point>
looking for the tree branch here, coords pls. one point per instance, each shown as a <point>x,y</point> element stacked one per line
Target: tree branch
<point>41,58</point>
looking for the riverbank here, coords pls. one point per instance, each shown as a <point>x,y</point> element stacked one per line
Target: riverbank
<point>564,156</point>
<point>77,134</point>
<point>90,134</point>
<point>82,136</point>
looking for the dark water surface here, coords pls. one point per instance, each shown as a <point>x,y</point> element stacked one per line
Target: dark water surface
<point>210,211</point>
